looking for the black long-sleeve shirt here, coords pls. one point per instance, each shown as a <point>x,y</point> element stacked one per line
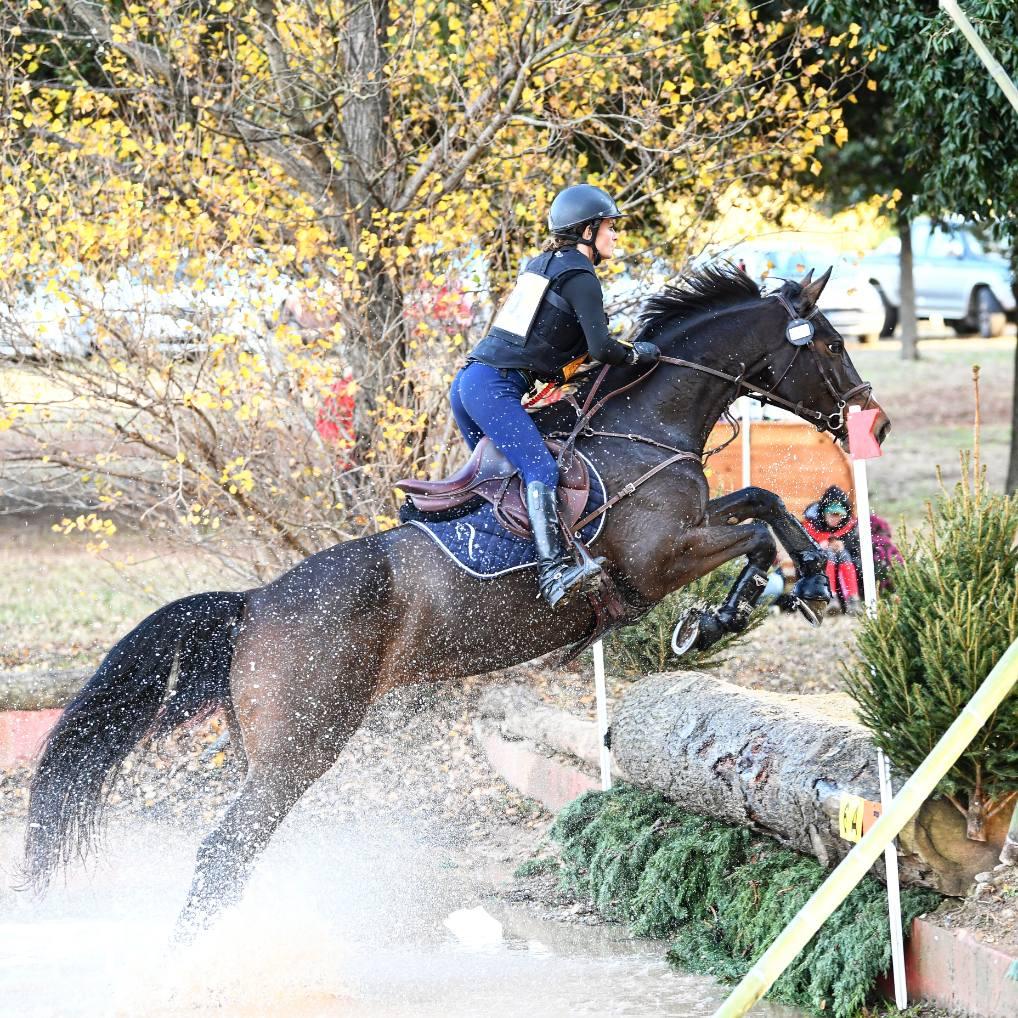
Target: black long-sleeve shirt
<point>583,291</point>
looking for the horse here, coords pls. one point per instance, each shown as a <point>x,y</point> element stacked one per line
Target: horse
<point>295,664</point>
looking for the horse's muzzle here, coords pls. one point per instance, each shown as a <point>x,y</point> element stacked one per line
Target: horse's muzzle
<point>882,426</point>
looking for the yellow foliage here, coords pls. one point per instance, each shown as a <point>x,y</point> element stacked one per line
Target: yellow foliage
<point>278,297</point>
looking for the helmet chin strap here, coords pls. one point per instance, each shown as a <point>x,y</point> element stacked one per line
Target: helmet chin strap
<point>595,255</point>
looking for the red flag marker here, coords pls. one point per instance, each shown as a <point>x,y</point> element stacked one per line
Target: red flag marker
<point>861,443</point>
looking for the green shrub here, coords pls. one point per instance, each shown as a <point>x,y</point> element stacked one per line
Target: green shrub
<point>953,614</point>
<point>722,895</point>
<point>536,867</point>
<point>646,646</point>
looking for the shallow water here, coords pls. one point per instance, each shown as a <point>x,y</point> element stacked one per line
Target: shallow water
<point>358,924</point>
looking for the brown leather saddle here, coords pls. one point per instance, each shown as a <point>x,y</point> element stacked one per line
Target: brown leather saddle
<point>489,475</point>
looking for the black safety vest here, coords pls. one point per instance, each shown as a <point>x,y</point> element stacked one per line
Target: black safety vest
<point>555,336</point>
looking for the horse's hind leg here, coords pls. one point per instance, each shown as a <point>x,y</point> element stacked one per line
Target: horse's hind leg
<point>278,775</point>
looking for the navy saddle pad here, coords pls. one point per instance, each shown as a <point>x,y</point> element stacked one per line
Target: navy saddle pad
<point>479,544</point>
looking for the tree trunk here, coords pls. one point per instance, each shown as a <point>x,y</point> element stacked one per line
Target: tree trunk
<point>1012,463</point>
<point>378,345</point>
<point>780,765</point>
<point>369,179</point>
<point>906,310</point>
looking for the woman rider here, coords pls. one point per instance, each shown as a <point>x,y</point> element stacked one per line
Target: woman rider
<point>552,321</point>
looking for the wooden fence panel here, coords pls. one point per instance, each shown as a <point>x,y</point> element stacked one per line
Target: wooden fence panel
<point>790,458</point>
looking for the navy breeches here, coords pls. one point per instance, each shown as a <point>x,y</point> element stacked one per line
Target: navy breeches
<point>486,401</point>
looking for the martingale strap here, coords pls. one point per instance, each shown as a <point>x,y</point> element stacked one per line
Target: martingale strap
<point>628,489</point>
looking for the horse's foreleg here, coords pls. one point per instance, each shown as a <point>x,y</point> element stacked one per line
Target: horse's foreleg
<point>711,547</point>
<point>810,560</point>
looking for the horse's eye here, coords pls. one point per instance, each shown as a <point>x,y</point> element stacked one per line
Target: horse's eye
<point>836,346</point>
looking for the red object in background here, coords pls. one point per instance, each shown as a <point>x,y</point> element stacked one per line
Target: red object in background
<point>843,579</point>
<point>22,733</point>
<point>334,421</point>
<point>861,443</point>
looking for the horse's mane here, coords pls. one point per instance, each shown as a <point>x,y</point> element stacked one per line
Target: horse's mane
<point>714,286</point>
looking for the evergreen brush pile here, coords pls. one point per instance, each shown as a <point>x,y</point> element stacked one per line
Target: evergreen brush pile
<point>646,646</point>
<point>930,646</point>
<point>722,895</point>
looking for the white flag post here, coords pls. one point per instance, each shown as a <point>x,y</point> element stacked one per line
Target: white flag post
<point>862,511</point>
<point>862,447</point>
<point>601,695</point>
<point>893,890</point>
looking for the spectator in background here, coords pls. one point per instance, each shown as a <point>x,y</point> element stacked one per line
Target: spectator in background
<point>885,552</point>
<point>831,523</point>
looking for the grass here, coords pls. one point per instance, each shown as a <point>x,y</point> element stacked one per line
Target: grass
<point>931,406</point>
<point>62,606</point>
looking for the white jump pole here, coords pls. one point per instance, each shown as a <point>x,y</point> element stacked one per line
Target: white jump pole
<point>601,695</point>
<point>893,890</point>
<point>747,449</point>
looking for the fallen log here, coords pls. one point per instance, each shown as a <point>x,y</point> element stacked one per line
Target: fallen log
<point>41,689</point>
<point>780,764</point>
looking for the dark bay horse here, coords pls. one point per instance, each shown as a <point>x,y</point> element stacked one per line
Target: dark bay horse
<point>296,663</point>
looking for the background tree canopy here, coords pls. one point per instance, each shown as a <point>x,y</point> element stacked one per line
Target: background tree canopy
<point>390,163</point>
<point>937,132</point>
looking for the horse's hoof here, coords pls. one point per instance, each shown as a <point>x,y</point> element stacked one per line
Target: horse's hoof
<point>685,633</point>
<point>813,589</point>
<point>698,630</point>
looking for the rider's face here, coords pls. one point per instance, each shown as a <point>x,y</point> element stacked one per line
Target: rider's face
<point>606,239</point>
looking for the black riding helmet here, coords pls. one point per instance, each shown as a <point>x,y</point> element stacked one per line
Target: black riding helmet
<point>576,208</point>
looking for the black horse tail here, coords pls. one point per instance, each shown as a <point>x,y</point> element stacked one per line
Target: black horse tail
<point>123,702</point>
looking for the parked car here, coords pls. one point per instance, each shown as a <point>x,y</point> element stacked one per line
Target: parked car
<point>955,279</point>
<point>61,316</point>
<point>849,301</point>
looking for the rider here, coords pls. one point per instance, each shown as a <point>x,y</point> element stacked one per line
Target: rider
<point>553,320</point>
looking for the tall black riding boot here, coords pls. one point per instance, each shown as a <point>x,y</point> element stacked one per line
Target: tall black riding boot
<point>558,575</point>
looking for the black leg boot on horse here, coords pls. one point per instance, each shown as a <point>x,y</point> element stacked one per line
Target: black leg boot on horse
<point>703,628</point>
<point>560,577</point>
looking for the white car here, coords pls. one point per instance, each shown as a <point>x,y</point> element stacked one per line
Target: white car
<point>61,316</point>
<point>849,301</point>
<point>40,323</point>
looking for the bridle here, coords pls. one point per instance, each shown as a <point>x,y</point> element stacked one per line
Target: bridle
<point>799,332</point>
<point>833,422</point>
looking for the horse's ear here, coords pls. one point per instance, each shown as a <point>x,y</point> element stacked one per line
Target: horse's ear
<point>811,289</point>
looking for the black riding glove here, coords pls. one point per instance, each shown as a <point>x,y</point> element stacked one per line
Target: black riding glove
<point>644,353</point>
